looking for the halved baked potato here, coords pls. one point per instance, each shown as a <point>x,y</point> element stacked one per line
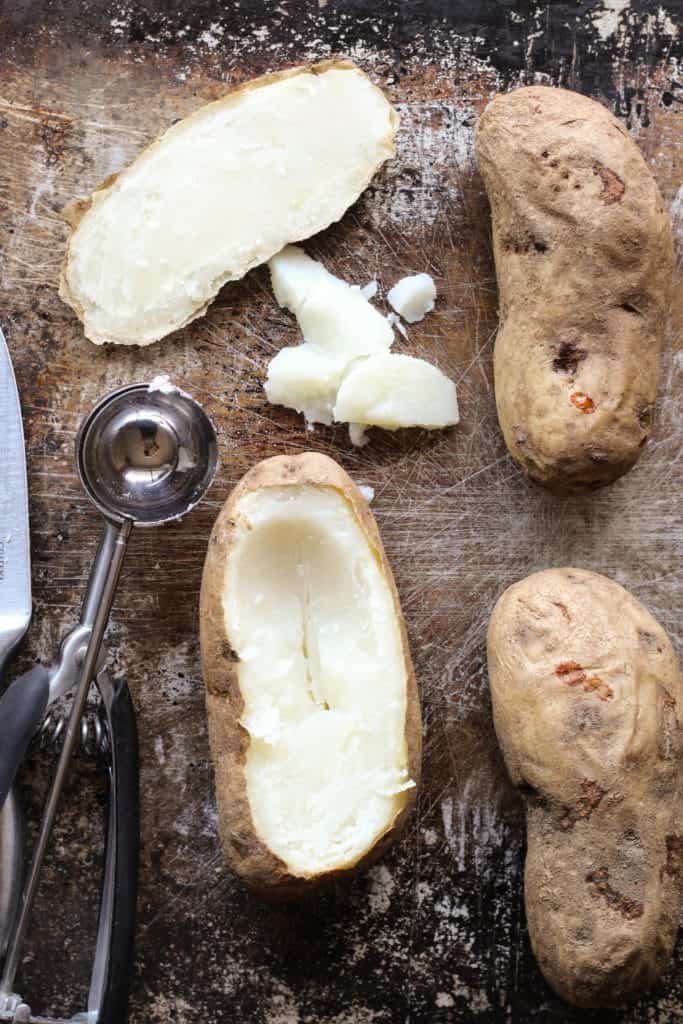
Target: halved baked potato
<point>314,714</point>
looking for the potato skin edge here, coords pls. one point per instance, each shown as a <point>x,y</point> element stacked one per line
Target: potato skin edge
<point>245,852</point>
<point>560,899</point>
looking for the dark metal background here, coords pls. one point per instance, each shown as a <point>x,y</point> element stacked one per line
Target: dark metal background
<point>436,932</point>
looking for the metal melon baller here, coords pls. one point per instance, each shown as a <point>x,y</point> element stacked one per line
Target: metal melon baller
<point>145,457</point>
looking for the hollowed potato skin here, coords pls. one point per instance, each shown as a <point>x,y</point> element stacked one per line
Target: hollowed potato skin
<point>248,856</point>
<point>587,700</point>
<point>584,259</point>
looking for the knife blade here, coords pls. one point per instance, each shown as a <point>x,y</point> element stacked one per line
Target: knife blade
<point>15,553</point>
<point>15,613</point>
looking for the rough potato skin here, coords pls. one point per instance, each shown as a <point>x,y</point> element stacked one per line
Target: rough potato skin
<point>584,260</point>
<point>245,852</point>
<point>587,700</point>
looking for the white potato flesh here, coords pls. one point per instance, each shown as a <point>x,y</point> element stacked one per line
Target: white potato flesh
<point>322,675</point>
<point>393,391</point>
<point>333,316</point>
<point>413,297</point>
<point>370,289</point>
<point>358,434</point>
<point>293,275</point>
<point>221,192</point>
<point>303,378</point>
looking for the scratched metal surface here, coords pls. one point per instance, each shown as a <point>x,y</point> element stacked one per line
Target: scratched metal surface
<point>436,932</point>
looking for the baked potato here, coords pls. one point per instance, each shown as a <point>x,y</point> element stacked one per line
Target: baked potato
<point>274,161</point>
<point>587,702</point>
<point>314,714</point>
<point>584,259</point>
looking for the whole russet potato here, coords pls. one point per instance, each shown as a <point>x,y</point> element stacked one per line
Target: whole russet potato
<point>584,258</point>
<point>587,701</point>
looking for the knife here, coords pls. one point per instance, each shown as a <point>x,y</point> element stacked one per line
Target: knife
<point>15,555</point>
<point>21,707</point>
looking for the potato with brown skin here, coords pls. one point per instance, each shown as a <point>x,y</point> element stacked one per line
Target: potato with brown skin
<point>314,714</point>
<point>587,701</point>
<point>584,260</point>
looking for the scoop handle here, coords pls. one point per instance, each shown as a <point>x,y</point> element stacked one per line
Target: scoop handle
<point>114,953</point>
<point>106,590</point>
<point>12,840</point>
<point>22,708</point>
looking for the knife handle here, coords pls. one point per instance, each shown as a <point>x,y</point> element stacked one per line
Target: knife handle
<point>22,708</point>
<point>116,930</point>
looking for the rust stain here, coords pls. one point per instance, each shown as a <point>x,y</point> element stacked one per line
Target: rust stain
<point>563,608</point>
<point>613,188</point>
<point>54,136</point>
<point>599,888</point>
<point>570,671</point>
<point>593,793</point>
<point>35,114</point>
<point>583,402</point>
<point>603,689</point>
<point>574,674</point>
<point>53,127</point>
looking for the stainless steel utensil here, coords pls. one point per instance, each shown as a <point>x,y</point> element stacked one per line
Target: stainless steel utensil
<point>15,609</point>
<point>15,556</point>
<point>145,456</point>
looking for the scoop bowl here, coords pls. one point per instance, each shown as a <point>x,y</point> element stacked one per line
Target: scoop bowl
<point>146,453</point>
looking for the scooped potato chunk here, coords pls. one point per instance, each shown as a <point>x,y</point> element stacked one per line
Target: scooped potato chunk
<point>343,371</point>
<point>338,324</point>
<point>334,317</point>
<point>413,297</point>
<point>584,260</point>
<point>587,700</point>
<point>393,391</point>
<point>306,379</point>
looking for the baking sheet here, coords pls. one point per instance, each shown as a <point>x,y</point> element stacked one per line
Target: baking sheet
<point>436,932</point>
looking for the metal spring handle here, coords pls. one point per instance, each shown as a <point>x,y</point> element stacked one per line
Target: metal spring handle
<point>93,735</point>
<point>104,579</point>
